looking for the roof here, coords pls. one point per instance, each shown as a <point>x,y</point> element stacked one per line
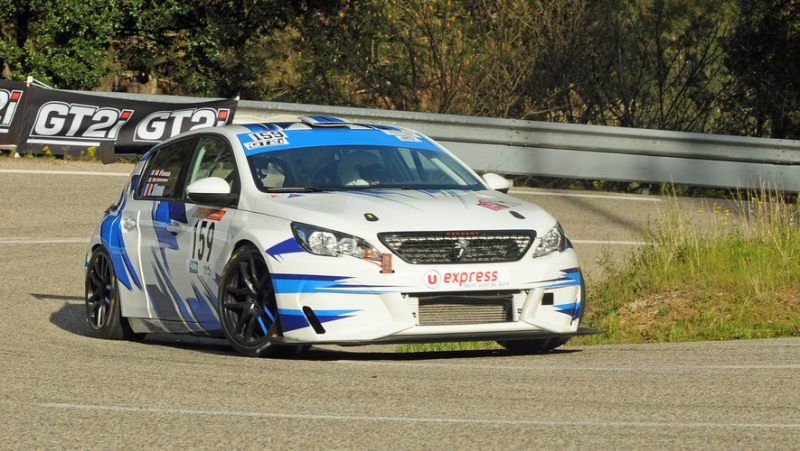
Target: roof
<point>322,130</point>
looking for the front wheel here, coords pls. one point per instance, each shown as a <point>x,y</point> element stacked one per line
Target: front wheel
<point>247,307</point>
<point>102,300</point>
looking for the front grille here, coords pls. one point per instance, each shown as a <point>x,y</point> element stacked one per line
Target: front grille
<point>459,247</point>
<point>445,309</point>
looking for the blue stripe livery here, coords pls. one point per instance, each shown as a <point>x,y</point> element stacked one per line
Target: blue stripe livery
<point>111,236</point>
<point>290,246</point>
<point>571,277</point>
<point>334,137</point>
<point>312,283</point>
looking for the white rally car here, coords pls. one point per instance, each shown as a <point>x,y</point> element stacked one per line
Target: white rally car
<point>282,235</point>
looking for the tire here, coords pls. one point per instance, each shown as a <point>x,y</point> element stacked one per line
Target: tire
<point>541,345</point>
<point>247,307</point>
<point>103,311</point>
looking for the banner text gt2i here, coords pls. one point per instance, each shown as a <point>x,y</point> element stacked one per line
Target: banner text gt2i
<point>279,236</point>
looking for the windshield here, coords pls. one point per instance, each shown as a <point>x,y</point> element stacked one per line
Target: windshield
<point>346,167</point>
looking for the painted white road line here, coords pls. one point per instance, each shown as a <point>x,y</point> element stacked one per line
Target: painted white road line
<point>86,240</point>
<point>402,419</point>
<point>615,243</point>
<point>603,369</point>
<point>43,240</point>
<point>586,196</point>
<point>47,172</point>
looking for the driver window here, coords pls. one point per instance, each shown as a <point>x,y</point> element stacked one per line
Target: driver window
<point>214,159</point>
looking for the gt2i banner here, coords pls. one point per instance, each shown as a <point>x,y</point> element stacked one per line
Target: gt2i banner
<point>12,94</point>
<point>69,123</point>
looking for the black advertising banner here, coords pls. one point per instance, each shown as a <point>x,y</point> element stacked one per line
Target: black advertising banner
<point>12,94</point>
<point>62,122</point>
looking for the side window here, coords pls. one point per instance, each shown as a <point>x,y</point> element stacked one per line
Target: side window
<point>214,159</point>
<point>162,175</point>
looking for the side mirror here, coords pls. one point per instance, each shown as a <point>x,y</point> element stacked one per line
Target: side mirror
<point>497,182</point>
<point>211,190</point>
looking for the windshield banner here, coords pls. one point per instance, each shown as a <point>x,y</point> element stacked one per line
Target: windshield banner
<point>61,122</point>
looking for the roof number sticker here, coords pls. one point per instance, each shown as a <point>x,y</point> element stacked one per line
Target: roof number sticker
<point>265,139</point>
<point>403,135</point>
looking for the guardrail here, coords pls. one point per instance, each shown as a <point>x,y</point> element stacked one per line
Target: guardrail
<point>511,146</point>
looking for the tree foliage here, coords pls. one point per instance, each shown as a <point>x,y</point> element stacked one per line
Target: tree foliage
<point>763,53</point>
<point>410,55</point>
<point>692,65</point>
<point>61,42</point>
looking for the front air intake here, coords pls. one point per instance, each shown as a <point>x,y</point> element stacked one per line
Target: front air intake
<point>459,247</point>
<point>313,320</point>
<point>444,309</point>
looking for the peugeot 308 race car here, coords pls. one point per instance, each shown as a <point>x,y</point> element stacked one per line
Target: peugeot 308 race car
<point>283,235</point>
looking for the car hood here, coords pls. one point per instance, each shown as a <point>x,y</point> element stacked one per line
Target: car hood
<point>372,211</point>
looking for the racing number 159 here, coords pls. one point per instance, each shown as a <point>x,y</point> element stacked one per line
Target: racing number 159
<point>203,240</point>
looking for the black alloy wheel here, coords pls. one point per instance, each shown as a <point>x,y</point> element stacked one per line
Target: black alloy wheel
<point>248,308</point>
<point>102,300</point>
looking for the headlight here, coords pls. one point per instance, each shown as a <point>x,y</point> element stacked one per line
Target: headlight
<point>552,241</point>
<point>319,241</point>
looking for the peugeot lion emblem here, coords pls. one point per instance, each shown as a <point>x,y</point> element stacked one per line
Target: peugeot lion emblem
<point>460,249</point>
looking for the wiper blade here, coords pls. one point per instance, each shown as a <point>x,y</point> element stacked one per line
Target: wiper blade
<point>302,189</point>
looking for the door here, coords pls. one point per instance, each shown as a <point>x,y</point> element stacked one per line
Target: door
<point>162,218</point>
<point>183,245</point>
<point>206,234</point>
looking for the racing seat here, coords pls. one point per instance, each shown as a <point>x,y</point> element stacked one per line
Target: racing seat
<point>361,168</point>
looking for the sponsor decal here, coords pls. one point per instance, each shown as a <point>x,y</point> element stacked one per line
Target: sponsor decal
<point>156,182</point>
<point>491,205</point>
<point>266,138</point>
<point>405,138</point>
<point>193,266</point>
<point>78,121</point>
<point>161,125</point>
<point>492,278</point>
<point>403,135</point>
<point>9,102</point>
<point>432,279</point>
<point>497,205</point>
<point>70,122</point>
<point>212,214</point>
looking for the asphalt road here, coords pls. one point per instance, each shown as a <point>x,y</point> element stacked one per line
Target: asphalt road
<point>60,388</point>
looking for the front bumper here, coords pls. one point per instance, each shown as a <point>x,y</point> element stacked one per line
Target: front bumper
<point>348,301</point>
<point>449,337</point>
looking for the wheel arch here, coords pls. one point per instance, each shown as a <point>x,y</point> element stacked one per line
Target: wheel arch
<point>261,240</point>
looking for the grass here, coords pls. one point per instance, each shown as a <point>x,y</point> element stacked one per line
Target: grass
<point>708,274</point>
<point>728,271</point>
